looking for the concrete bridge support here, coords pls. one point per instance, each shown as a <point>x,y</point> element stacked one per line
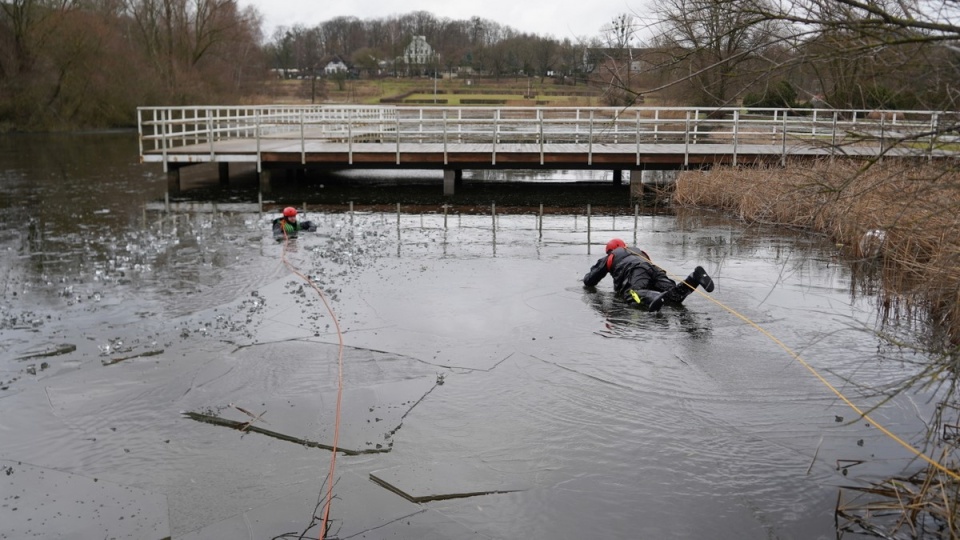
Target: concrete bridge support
<point>452,179</point>
<point>617,177</point>
<point>646,179</point>
<point>265,176</point>
<point>224,170</point>
<point>659,178</point>
<point>173,178</point>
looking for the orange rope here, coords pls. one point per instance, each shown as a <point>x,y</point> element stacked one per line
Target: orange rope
<point>336,429</point>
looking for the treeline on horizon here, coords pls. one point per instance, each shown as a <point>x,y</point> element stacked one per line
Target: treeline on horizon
<point>89,63</point>
<point>483,45</point>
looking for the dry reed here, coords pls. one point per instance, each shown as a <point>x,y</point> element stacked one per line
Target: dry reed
<point>917,208</point>
<point>923,505</point>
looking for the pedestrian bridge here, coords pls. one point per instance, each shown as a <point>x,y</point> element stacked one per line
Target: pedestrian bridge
<point>285,137</point>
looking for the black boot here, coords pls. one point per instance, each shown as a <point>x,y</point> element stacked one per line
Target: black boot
<point>648,300</point>
<point>699,277</point>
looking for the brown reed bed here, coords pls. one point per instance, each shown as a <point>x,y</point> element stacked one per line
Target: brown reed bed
<point>917,208</point>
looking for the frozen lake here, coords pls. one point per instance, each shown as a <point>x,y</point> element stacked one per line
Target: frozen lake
<point>486,393</point>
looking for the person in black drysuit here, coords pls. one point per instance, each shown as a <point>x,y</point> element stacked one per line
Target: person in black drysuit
<point>287,226</point>
<point>636,279</point>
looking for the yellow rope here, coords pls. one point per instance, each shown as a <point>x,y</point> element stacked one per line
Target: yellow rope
<point>953,474</point>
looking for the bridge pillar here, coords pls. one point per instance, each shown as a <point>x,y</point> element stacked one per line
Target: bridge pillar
<point>617,177</point>
<point>173,177</point>
<point>646,179</point>
<point>636,183</point>
<point>451,179</point>
<point>658,179</point>
<point>265,181</point>
<point>224,170</point>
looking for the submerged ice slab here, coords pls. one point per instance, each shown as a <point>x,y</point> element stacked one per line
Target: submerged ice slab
<point>298,513</point>
<point>431,481</point>
<point>370,416</point>
<point>46,503</point>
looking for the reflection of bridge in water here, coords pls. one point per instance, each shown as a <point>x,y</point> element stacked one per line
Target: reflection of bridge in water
<point>303,138</point>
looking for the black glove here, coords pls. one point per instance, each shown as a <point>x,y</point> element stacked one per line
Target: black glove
<point>596,273</point>
<point>308,226</point>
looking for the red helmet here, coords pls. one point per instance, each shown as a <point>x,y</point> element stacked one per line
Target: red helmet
<point>289,212</point>
<point>614,244</point>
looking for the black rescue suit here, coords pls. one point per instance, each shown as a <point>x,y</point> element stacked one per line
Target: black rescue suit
<point>635,279</point>
<point>284,228</point>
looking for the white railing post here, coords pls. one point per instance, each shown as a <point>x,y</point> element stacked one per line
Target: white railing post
<point>696,125</point>
<point>616,126</point>
<point>934,131</point>
<point>773,129</point>
<point>783,140</point>
<point>398,138</point>
<point>656,125</point>
<point>163,136</point>
<point>686,141</point>
<point>445,160</point>
<point>256,132</point>
<point>833,136</point>
<point>540,119</point>
<point>736,133</point>
<point>303,137</point>
<point>576,127</point>
<point>350,117</point>
<point>140,131</point>
<point>210,132</point>
<point>496,126</point>
<point>638,137</point>
<point>590,141</point>
<point>883,131</point>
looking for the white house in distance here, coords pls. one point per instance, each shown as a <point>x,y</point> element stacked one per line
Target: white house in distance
<point>335,65</point>
<point>419,55</point>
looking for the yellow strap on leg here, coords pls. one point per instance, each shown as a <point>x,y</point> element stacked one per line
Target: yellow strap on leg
<point>636,296</point>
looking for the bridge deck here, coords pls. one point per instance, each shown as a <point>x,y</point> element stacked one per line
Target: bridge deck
<point>461,138</point>
<point>475,155</point>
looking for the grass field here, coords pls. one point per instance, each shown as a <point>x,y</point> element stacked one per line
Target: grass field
<point>421,91</point>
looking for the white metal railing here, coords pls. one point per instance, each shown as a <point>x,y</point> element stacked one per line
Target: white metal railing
<point>203,130</point>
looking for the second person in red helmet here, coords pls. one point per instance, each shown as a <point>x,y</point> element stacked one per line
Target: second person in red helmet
<point>637,280</point>
<point>287,226</point>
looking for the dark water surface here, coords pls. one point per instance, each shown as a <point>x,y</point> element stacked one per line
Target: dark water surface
<point>480,378</point>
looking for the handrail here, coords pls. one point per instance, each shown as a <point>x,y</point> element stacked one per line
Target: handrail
<point>165,129</point>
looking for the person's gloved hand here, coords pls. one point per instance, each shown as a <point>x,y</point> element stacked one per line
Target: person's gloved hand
<point>308,226</point>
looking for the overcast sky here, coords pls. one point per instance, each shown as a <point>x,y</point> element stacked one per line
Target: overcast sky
<point>559,18</point>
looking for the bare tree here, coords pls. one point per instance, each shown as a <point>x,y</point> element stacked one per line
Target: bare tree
<point>26,21</point>
<point>343,35</point>
<point>850,53</point>
<point>717,45</point>
<point>874,53</point>
<point>544,55</point>
<point>614,63</point>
